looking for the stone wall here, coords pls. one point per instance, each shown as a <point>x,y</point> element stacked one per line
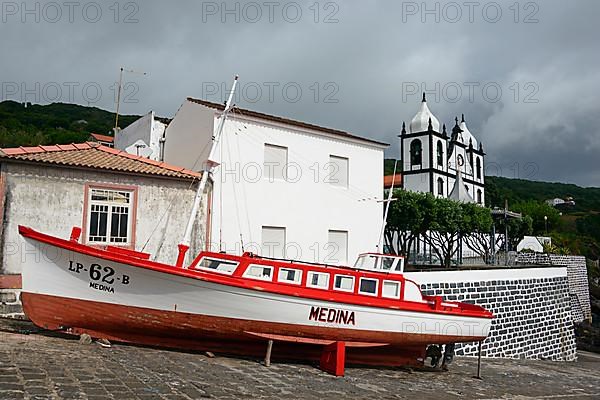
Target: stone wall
<point>578,280</point>
<point>10,304</point>
<point>531,307</point>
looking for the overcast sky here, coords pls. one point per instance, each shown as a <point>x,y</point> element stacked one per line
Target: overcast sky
<point>525,74</point>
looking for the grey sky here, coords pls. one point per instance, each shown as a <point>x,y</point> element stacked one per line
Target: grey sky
<point>360,66</point>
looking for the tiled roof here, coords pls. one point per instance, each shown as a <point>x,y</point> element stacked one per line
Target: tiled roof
<point>102,138</point>
<point>281,120</point>
<point>95,156</point>
<point>387,181</point>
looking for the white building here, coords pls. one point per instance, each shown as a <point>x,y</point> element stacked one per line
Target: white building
<point>144,137</point>
<point>431,159</point>
<point>284,188</point>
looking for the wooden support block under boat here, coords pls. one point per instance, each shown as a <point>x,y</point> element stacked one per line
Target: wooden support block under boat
<point>333,359</point>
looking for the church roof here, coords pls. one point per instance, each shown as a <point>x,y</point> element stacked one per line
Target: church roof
<point>420,122</point>
<point>466,135</point>
<point>459,191</point>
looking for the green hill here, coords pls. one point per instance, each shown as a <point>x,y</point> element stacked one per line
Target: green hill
<point>56,123</point>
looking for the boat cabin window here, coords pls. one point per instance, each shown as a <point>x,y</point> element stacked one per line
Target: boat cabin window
<point>366,261</point>
<point>262,272</point>
<point>380,262</point>
<point>368,286</point>
<point>391,289</point>
<point>343,282</point>
<point>289,275</point>
<point>319,280</point>
<point>217,265</point>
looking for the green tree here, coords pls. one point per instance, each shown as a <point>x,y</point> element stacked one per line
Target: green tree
<point>537,210</point>
<point>407,219</point>
<point>476,230</point>
<point>447,224</point>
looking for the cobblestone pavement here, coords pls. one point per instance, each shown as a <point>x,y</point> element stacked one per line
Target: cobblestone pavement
<point>39,366</point>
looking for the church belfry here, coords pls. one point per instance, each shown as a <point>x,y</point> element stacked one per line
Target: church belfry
<point>431,161</point>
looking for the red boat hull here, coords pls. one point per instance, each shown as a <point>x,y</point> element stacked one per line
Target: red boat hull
<point>177,330</point>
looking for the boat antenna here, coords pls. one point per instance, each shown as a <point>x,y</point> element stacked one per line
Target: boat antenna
<point>209,168</point>
<point>387,209</point>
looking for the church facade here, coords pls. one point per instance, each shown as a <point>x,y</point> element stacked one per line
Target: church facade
<point>446,165</point>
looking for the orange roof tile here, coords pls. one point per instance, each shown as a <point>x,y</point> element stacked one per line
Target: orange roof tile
<point>387,181</point>
<point>102,138</point>
<point>95,156</point>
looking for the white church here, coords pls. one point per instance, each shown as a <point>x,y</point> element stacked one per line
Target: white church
<point>446,166</point>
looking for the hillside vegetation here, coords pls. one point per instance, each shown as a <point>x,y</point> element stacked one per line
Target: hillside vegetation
<point>56,123</point>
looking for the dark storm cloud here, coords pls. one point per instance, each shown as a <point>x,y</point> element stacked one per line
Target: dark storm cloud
<point>526,79</point>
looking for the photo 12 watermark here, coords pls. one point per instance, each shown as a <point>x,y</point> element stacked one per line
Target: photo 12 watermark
<point>270,12</point>
<point>471,91</point>
<point>272,92</point>
<point>54,12</point>
<point>470,11</point>
<point>68,92</point>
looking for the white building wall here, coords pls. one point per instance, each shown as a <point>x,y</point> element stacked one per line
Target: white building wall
<point>306,204</point>
<point>51,200</point>
<point>188,136</point>
<point>417,182</point>
<point>143,137</point>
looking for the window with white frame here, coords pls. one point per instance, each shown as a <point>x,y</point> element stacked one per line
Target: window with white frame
<point>262,272</point>
<point>337,247</point>
<point>275,164</point>
<point>338,171</point>
<point>319,280</point>
<point>391,289</point>
<point>367,286</point>
<point>289,275</point>
<point>218,265</point>
<point>343,282</point>
<point>273,242</point>
<point>110,216</point>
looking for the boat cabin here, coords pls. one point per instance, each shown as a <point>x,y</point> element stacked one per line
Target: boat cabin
<point>373,275</point>
<point>380,263</point>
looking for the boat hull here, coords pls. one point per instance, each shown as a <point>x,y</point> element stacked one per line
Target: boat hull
<point>157,329</point>
<point>78,293</point>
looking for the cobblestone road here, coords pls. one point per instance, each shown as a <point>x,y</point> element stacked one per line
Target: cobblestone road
<point>38,366</point>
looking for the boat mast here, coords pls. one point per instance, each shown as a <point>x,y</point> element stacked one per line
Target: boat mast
<point>387,209</point>
<point>209,168</point>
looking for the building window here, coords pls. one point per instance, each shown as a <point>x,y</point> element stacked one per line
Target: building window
<point>479,196</point>
<point>110,216</point>
<point>337,248</point>
<point>273,242</point>
<point>440,154</point>
<point>415,152</point>
<point>338,171</point>
<point>275,164</point>
<point>478,164</point>
<point>440,186</point>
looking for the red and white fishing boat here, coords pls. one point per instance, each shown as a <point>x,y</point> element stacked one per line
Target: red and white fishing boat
<point>238,303</point>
